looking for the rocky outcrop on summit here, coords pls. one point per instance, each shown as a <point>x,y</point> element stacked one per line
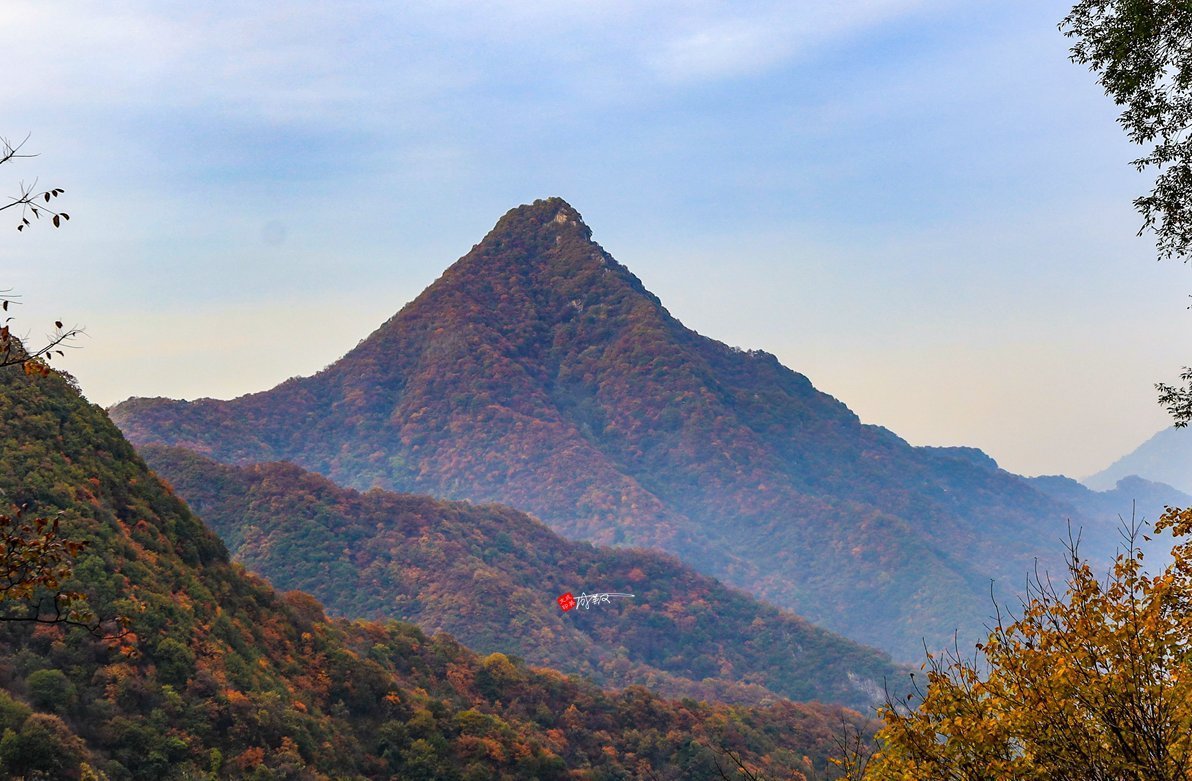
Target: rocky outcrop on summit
<point>538,372</point>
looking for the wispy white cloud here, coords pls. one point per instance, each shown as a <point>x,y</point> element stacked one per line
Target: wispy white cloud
<point>316,61</point>
<point>384,138</point>
<point>723,40</point>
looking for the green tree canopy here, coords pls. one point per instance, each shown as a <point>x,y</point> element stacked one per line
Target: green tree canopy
<point>1141,51</point>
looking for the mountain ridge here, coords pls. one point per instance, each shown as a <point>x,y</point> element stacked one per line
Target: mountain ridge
<point>1166,457</point>
<point>488,575</point>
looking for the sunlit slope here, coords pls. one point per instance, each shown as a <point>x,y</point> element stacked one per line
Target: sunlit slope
<point>225,678</point>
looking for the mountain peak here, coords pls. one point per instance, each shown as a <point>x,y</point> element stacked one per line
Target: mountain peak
<point>539,372</point>
<point>549,214</point>
<point>538,264</point>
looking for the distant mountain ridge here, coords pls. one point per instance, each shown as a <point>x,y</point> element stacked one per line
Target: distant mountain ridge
<point>1164,458</point>
<point>1146,499</point>
<point>489,575</point>
<point>540,373</point>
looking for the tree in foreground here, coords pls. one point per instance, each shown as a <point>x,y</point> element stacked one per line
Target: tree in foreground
<point>1089,683</point>
<point>36,559</point>
<point>12,350</point>
<point>1141,51</point>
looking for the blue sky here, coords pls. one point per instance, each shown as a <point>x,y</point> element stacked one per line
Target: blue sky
<point>920,204</point>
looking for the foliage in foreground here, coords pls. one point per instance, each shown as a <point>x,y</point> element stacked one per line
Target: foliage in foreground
<point>1091,683</point>
<point>1141,51</point>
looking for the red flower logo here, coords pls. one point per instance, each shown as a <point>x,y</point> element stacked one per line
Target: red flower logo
<point>566,601</point>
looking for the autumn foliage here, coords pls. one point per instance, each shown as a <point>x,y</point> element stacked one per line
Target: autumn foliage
<point>36,559</point>
<point>222,677</point>
<point>489,575</point>
<point>1091,682</point>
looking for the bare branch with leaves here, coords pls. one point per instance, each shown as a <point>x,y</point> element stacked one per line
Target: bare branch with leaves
<point>36,560</point>
<point>31,200</point>
<point>34,203</point>
<point>13,351</point>
<point>740,765</point>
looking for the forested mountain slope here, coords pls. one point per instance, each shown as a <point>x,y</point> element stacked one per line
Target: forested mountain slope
<point>540,373</point>
<point>489,575</point>
<point>225,678</point>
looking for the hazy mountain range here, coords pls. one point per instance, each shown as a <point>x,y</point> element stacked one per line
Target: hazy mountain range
<point>1166,458</point>
<point>538,372</point>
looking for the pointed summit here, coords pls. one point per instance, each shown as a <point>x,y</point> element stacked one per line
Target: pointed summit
<point>544,212</point>
<point>544,245</point>
<point>537,270</point>
<point>531,231</point>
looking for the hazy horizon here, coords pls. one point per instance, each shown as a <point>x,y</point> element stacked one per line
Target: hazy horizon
<point>922,206</point>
